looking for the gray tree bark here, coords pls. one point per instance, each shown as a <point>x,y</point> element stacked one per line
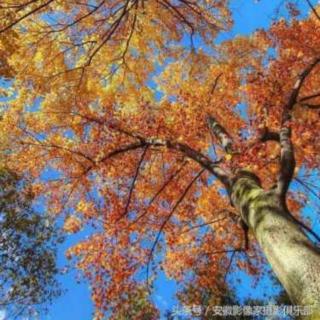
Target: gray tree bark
<point>292,256</point>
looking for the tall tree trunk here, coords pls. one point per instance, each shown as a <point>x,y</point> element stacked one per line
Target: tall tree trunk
<point>292,256</point>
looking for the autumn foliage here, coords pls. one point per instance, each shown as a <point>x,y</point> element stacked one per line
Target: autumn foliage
<point>93,89</point>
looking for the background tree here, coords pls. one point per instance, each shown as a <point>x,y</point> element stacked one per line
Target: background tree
<point>27,251</point>
<point>154,139</point>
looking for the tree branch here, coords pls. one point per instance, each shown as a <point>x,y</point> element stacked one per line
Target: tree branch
<point>205,224</point>
<point>204,161</point>
<point>122,149</point>
<point>313,9</point>
<point>311,106</point>
<point>268,135</point>
<point>166,220</point>
<point>15,22</point>
<point>229,266</point>
<point>133,183</point>
<point>296,90</point>
<point>166,183</point>
<point>287,161</point>
<point>220,133</point>
<point>215,84</point>
<point>315,95</point>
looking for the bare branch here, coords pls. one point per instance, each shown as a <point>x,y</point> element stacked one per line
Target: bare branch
<point>229,266</point>
<point>313,9</point>
<point>307,187</point>
<point>205,224</point>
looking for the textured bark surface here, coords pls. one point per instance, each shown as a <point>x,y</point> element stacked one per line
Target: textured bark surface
<point>292,256</point>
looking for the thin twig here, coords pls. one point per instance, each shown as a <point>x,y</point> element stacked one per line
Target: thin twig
<point>167,220</point>
<point>133,183</point>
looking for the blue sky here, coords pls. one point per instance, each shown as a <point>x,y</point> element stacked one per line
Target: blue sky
<point>75,303</point>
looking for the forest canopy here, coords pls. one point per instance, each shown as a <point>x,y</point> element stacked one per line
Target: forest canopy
<point>179,152</point>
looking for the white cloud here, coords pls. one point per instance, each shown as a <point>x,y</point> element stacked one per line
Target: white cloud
<point>161,300</point>
<point>2,314</point>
